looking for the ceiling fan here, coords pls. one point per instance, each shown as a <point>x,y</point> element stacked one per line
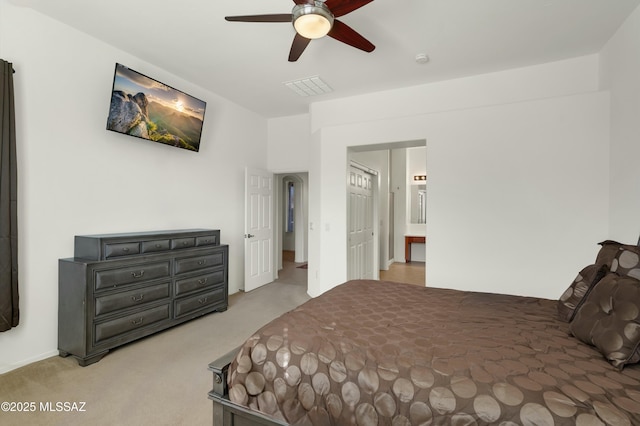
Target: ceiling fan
<point>315,19</point>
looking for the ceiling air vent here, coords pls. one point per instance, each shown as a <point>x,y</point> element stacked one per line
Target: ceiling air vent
<point>310,86</point>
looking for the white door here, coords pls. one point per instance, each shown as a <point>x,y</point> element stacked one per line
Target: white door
<point>361,231</point>
<point>258,237</point>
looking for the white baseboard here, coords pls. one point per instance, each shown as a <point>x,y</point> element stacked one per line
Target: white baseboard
<point>10,367</point>
<point>388,265</point>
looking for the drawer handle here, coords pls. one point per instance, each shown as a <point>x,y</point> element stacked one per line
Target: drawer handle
<point>126,249</point>
<point>184,243</point>
<point>202,281</point>
<point>137,299</point>
<point>203,300</point>
<point>158,245</point>
<point>139,275</point>
<point>138,321</point>
<point>202,262</point>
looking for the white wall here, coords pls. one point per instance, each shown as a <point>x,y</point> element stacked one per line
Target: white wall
<point>561,78</point>
<point>508,177</point>
<point>620,60</point>
<point>400,189</point>
<point>77,178</point>
<point>288,144</point>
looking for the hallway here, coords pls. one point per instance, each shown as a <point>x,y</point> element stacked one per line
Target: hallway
<point>412,273</point>
<point>291,272</point>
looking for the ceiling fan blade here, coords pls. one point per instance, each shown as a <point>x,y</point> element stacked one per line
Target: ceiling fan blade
<point>277,17</point>
<point>348,35</point>
<point>342,7</point>
<point>297,47</point>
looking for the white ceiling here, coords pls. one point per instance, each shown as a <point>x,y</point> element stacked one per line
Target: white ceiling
<point>247,62</point>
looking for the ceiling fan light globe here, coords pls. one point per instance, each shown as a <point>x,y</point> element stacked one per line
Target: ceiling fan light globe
<point>312,26</point>
<point>312,21</point>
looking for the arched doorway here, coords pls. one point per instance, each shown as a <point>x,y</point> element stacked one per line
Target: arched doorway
<point>292,217</point>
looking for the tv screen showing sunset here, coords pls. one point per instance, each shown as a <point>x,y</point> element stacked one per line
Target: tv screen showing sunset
<point>148,109</point>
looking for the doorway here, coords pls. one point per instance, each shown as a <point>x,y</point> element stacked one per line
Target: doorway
<point>291,219</point>
<point>398,164</point>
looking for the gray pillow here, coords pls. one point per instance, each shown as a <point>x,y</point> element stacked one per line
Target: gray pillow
<point>606,260</point>
<point>609,319</point>
<point>573,297</point>
<point>627,262</point>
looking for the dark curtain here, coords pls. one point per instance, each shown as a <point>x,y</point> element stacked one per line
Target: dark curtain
<point>9,309</point>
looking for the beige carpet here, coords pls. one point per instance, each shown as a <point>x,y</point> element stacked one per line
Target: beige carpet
<point>159,380</point>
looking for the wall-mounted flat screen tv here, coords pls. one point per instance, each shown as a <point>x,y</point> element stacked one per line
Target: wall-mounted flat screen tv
<point>145,108</point>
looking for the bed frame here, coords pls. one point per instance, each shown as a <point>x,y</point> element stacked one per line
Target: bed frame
<point>225,412</point>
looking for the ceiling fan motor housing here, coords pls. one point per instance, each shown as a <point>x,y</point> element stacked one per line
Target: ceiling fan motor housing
<point>312,20</point>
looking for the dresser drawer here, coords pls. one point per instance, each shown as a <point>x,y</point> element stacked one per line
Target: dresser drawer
<point>206,240</point>
<point>180,243</point>
<point>155,246</point>
<point>121,249</point>
<point>133,274</point>
<point>201,301</point>
<point>187,264</point>
<point>115,327</point>
<point>127,299</point>
<point>199,282</point>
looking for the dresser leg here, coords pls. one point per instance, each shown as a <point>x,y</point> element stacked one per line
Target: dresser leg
<point>83,362</point>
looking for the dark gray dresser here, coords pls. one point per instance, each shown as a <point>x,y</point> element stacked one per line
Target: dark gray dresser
<point>120,287</point>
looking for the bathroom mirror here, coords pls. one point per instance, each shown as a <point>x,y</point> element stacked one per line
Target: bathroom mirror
<point>418,203</point>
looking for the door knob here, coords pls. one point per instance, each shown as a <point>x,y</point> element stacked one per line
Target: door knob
<point>249,235</point>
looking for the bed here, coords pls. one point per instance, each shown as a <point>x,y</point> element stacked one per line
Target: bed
<point>379,353</point>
